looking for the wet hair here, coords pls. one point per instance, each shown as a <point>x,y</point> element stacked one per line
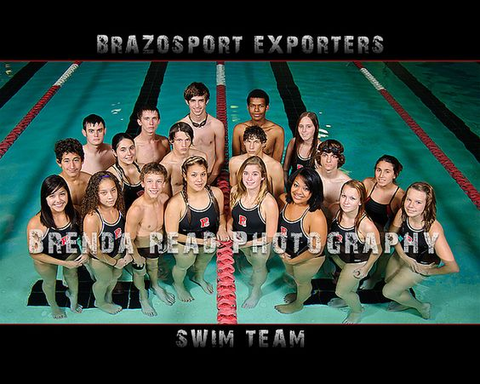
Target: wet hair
<point>68,146</point>
<point>397,167</point>
<point>91,200</point>
<point>50,185</point>
<point>189,162</point>
<point>196,89</point>
<point>430,211</point>
<point>258,94</point>
<point>298,139</point>
<point>314,183</point>
<point>241,190</point>
<point>331,146</point>
<point>153,168</point>
<point>256,132</point>
<point>92,119</point>
<point>180,127</point>
<point>362,195</point>
<point>147,107</point>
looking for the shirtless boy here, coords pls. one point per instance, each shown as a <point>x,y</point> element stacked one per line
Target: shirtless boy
<point>150,146</point>
<point>329,159</point>
<point>70,157</point>
<point>98,155</point>
<point>181,137</point>
<point>209,132</point>
<point>258,105</point>
<point>254,139</point>
<point>145,226</point>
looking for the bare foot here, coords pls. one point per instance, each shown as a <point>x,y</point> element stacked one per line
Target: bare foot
<point>207,287</point>
<point>109,307</point>
<point>147,309</point>
<point>290,298</point>
<point>163,295</point>
<point>337,302</point>
<point>252,300</point>
<point>74,306</point>
<point>353,318</point>
<point>425,310</point>
<point>182,293</point>
<point>58,313</point>
<point>289,308</point>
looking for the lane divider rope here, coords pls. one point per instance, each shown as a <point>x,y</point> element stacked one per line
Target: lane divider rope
<point>15,133</point>
<point>226,289</point>
<point>449,166</point>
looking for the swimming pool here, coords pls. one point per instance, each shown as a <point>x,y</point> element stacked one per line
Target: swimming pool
<point>348,106</point>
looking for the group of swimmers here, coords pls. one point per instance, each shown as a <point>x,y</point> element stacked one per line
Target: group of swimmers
<point>144,196</point>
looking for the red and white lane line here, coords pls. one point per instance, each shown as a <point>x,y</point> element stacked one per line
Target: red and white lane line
<point>226,289</point>
<point>450,167</point>
<point>15,133</point>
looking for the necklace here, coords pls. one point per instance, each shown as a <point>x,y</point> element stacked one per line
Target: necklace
<point>198,125</point>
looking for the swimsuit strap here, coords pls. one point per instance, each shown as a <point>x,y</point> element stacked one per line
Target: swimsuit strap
<point>393,196</point>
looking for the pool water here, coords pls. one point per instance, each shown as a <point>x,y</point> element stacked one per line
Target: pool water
<point>348,107</point>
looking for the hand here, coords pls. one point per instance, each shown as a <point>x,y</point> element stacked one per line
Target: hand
<point>139,261</point>
<point>71,264</point>
<point>222,234</point>
<point>286,258</point>
<point>360,273</point>
<point>83,258</point>
<point>423,269</point>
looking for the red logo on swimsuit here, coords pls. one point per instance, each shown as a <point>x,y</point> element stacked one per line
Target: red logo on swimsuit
<point>118,233</point>
<point>283,231</point>
<point>242,220</point>
<point>205,222</point>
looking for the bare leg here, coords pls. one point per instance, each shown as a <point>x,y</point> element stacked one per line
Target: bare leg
<point>162,294</point>
<point>303,274</point>
<point>183,261</point>
<point>106,278</point>
<point>48,273</point>
<point>398,287</point>
<point>347,286</point>
<point>258,261</point>
<point>200,267</point>
<point>139,282</point>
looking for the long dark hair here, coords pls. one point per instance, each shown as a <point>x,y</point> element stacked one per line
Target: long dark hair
<point>314,184</point>
<point>298,139</point>
<point>50,185</point>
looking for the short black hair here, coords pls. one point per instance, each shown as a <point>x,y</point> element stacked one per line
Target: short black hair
<point>259,94</point>
<point>68,146</point>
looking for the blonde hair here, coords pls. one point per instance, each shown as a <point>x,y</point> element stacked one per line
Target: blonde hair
<point>240,190</point>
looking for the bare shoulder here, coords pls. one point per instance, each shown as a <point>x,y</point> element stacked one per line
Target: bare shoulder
<point>216,124</point>
<point>269,202</point>
<point>240,127</point>
<point>163,198</point>
<point>197,152</point>
<point>436,228</point>
<point>368,226</point>
<point>91,220</point>
<point>368,182</point>
<point>85,177</point>
<point>217,192</point>
<point>34,223</point>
